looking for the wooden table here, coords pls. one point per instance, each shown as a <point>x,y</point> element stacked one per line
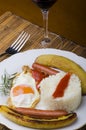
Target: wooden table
<point>12,25</point>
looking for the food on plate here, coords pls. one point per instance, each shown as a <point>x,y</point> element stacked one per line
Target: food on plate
<point>44,69</point>
<point>61,91</point>
<point>47,114</point>
<point>64,64</point>
<point>43,97</point>
<point>23,92</point>
<point>32,122</point>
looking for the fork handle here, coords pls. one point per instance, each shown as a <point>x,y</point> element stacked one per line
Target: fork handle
<point>3,54</point>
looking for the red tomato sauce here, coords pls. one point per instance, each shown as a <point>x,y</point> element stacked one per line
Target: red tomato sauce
<point>59,92</point>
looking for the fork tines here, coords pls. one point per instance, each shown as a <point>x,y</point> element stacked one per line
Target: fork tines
<point>20,41</point>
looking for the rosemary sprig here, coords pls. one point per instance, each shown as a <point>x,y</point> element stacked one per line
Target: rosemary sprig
<point>6,84</point>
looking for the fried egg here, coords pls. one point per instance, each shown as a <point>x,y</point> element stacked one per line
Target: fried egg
<point>24,92</point>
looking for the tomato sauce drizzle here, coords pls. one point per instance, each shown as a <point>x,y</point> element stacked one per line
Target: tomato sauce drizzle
<point>59,92</point>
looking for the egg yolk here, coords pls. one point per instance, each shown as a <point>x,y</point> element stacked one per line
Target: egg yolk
<point>22,89</point>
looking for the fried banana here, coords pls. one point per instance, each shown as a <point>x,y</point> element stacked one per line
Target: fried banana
<point>64,64</point>
<point>31,122</point>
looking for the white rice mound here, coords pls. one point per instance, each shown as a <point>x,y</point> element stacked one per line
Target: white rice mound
<point>72,95</point>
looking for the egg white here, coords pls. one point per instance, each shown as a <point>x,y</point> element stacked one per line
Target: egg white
<point>24,100</point>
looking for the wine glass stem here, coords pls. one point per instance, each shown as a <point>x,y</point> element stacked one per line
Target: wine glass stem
<point>45,22</point>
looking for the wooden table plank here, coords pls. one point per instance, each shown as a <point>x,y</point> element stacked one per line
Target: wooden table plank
<point>12,25</point>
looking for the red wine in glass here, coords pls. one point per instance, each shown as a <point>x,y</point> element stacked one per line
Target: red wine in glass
<point>44,5</point>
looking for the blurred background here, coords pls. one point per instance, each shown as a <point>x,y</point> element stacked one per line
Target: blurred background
<point>66,18</point>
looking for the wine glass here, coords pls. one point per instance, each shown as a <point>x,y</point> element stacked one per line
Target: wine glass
<point>44,6</point>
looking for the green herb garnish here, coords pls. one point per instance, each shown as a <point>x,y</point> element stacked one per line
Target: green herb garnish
<point>6,83</point>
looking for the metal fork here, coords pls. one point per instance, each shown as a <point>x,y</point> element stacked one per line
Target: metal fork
<point>17,44</point>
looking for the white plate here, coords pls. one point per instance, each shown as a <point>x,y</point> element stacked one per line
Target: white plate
<point>14,64</point>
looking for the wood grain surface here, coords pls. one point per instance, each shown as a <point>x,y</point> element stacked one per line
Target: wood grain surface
<point>12,25</point>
